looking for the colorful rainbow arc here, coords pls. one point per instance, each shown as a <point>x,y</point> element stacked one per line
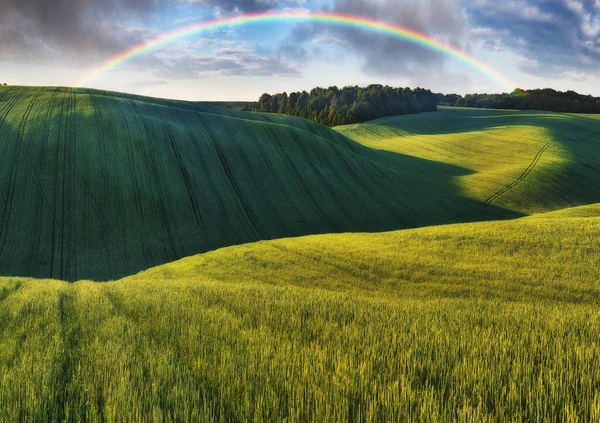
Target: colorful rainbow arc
<point>300,15</point>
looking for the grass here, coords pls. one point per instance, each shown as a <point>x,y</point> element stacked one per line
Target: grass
<point>492,321</point>
<point>445,320</point>
<point>100,185</point>
<point>527,162</point>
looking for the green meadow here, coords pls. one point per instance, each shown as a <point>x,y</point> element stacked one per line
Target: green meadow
<point>434,267</point>
<point>527,162</point>
<point>101,185</point>
<point>469,322</point>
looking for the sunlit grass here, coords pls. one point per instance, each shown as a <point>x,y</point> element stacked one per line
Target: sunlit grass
<point>476,322</point>
<point>527,162</point>
<point>493,321</point>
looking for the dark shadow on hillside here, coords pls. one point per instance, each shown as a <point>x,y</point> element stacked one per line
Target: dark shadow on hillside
<point>133,185</point>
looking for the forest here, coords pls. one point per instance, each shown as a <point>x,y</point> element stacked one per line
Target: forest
<point>540,99</point>
<point>334,106</point>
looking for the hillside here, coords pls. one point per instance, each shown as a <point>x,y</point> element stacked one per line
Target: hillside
<point>494,321</point>
<point>527,162</point>
<point>98,185</point>
<point>532,258</point>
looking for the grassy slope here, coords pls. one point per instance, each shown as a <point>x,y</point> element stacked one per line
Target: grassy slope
<point>492,321</point>
<point>97,185</point>
<point>523,161</point>
<point>483,321</point>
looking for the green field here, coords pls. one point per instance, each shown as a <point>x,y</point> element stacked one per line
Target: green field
<point>471,322</point>
<point>527,162</point>
<point>480,302</point>
<point>99,185</point>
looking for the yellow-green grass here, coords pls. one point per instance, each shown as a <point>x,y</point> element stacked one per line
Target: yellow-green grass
<point>520,160</point>
<point>495,321</point>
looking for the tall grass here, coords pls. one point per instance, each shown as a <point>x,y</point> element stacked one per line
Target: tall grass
<point>475,322</point>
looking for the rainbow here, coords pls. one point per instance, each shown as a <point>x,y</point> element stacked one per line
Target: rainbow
<point>329,18</point>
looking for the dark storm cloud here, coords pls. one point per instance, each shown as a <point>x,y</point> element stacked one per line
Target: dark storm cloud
<point>551,37</point>
<point>383,54</point>
<point>42,30</point>
<point>75,30</point>
<point>80,32</point>
<point>229,6</point>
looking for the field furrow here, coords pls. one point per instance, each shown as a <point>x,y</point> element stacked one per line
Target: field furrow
<point>521,177</point>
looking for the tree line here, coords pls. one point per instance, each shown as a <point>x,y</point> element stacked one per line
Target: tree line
<point>341,106</point>
<point>334,106</point>
<point>540,99</point>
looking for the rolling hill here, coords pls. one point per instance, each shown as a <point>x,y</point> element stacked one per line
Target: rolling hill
<point>97,185</point>
<point>100,185</point>
<point>527,162</point>
<point>444,320</point>
<point>493,321</point>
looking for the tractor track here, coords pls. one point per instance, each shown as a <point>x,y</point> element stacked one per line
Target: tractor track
<point>299,181</point>
<point>157,167</point>
<point>9,199</point>
<point>42,198</point>
<point>59,137</point>
<point>247,165</point>
<point>280,186</point>
<point>523,175</point>
<point>195,204</point>
<point>210,183</point>
<point>130,168</point>
<point>226,172</point>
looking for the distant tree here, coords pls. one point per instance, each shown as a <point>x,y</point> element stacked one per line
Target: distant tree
<point>332,117</point>
<point>291,103</point>
<point>541,99</point>
<point>283,102</point>
<point>334,106</point>
<point>264,103</point>
<point>302,105</point>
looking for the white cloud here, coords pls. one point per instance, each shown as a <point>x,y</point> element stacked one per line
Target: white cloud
<point>527,64</point>
<point>516,7</point>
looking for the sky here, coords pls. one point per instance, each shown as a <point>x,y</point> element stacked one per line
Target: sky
<point>534,43</point>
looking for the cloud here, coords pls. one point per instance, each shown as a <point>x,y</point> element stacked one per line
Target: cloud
<point>70,30</point>
<point>80,32</point>
<point>550,38</point>
<point>225,60</point>
<point>243,6</point>
<point>383,54</point>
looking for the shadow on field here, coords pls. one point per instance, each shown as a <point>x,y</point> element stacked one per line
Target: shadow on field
<point>552,188</point>
<point>100,186</point>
